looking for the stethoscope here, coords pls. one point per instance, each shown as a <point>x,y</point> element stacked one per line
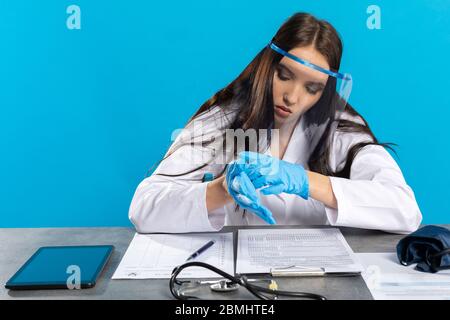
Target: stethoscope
<point>180,289</point>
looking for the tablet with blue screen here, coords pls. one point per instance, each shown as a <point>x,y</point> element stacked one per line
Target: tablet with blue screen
<point>63,267</point>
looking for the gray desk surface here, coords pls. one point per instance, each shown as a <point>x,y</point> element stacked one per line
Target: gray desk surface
<point>17,245</point>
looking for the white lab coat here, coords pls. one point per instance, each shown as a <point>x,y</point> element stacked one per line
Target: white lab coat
<point>375,197</point>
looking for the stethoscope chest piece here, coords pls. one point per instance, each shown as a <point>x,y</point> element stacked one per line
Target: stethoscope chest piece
<point>224,286</point>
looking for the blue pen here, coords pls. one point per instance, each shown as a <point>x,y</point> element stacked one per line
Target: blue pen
<point>201,250</point>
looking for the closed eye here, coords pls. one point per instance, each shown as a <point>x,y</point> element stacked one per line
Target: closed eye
<point>314,87</point>
<point>282,77</point>
<point>284,73</point>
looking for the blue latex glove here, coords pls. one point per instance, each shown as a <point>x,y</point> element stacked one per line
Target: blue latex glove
<point>244,193</point>
<point>275,175</point>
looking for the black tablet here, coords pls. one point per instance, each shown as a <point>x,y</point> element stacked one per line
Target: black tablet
<point>65,267</point>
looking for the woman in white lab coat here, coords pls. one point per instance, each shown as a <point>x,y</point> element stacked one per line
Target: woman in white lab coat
<point>353,181</point>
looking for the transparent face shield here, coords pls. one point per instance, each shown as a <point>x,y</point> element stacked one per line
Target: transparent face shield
<point>325,114</point>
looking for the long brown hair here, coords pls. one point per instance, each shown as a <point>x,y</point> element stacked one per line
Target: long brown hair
<point>251,91</point>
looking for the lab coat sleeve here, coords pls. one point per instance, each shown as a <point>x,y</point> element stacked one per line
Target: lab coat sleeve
<point>376,196</point>
<point>161,205</point>
<point>177,204</point>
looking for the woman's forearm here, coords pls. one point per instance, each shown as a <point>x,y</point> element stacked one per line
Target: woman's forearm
<point>217,195</point>
<point>321,190</point>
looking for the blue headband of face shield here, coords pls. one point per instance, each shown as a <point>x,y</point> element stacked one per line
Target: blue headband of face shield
<point>337,75</point>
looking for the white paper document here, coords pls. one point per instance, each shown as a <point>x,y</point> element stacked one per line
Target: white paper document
<point>262,250</point>
<point>156,255</point>
<point>387,279</point>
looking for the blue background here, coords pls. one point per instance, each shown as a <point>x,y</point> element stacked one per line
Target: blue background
<point>85,113</point>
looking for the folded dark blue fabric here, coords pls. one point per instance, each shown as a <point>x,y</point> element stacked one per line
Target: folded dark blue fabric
<point>429,247</point>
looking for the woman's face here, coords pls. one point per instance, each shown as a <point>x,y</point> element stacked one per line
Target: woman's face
<point>296,88</point>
